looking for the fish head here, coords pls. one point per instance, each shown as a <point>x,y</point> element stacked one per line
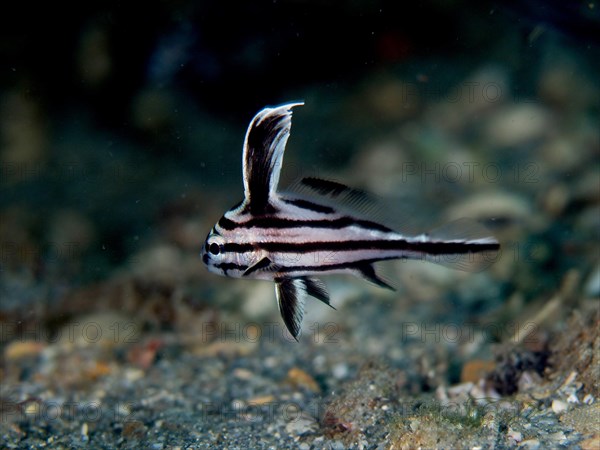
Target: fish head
<point>221,255</point>
<point>213,253</point>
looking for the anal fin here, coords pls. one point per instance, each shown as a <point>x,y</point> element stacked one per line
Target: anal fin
<point>317,289</point>
<point>367,271</point>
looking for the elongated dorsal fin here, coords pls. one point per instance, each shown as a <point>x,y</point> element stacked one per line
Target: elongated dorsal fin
<point>264,146</point>
<point>356,203</point>
<point>291,296</point>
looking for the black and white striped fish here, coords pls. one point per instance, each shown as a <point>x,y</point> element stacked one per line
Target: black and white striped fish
<point>292,238</point>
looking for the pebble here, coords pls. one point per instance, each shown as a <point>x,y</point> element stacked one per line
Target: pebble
<point>558,406</point>
<point>515,436</point>
<point>84,431</point>
<point>225,348</point>
<point>337,445</point>
<point>133,374</point>
<point>588,399</point>
<point>299,378</point>
<point>473,371</point>
<point>261,400</point>
<point>242,374</point>
<point>340,371</point>
<point>301,425</point>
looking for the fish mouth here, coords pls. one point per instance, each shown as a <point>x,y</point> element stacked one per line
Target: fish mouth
<point>204,254</point>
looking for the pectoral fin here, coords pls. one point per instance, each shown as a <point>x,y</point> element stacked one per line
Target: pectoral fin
<point>264,146</point>
<point>263,264</point>
<point>291,296</point>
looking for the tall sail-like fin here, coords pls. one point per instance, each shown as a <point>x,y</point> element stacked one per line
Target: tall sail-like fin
<point>264,146</point>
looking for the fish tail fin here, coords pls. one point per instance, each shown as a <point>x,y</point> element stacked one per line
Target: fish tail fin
<point>476,247</point>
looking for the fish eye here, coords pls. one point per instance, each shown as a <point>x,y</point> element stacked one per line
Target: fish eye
<point>214,248</point>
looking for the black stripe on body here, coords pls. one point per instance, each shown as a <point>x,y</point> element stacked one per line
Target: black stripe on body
<point>354,265</point>
<point>238,248</point>
<point>277,222</point>
<point>310,206</point>
<point>225,267</point>
<point>429,248</point>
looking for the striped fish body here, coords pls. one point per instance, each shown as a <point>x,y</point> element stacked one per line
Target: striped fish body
<point>292,238</point>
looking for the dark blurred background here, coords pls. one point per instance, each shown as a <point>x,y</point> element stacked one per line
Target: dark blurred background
<point>122,111</point>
